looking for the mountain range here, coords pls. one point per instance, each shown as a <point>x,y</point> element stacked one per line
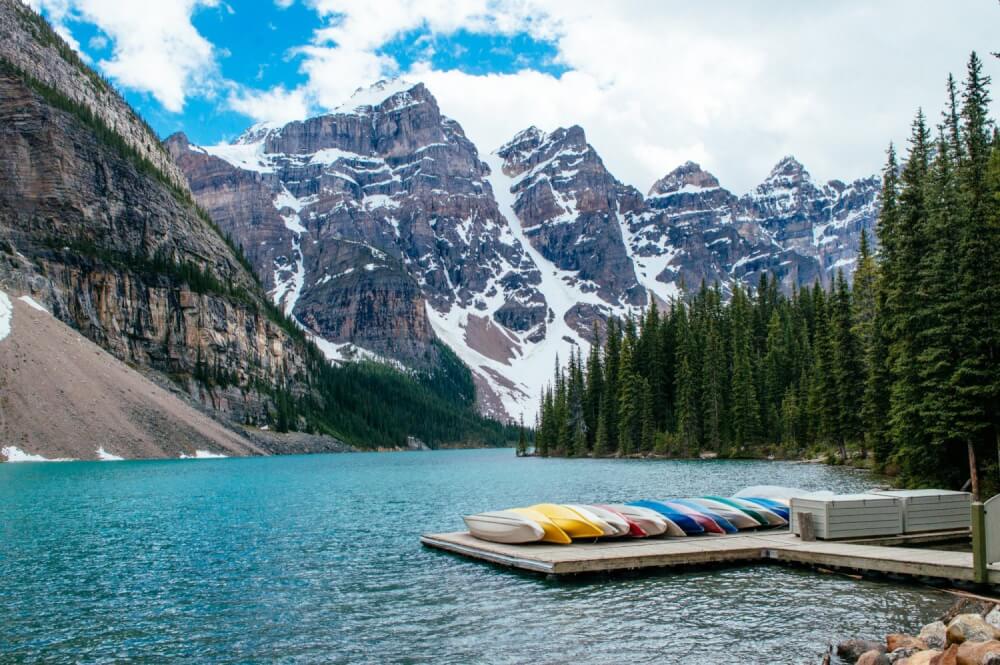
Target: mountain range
<point>382,230</point>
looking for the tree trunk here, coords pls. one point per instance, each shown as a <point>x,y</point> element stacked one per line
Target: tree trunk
<point>973,472</point>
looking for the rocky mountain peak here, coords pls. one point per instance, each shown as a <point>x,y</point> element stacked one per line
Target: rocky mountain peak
<point>687,177</point>
<point>790,170</point>
<point>389,92</point>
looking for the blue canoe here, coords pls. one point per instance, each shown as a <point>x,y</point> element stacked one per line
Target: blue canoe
<point>725,524</point>
<point>685,522</point>
<point>776,507</point>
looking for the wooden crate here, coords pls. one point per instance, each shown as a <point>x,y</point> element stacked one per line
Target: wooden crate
<point>933,510</point>
<point>850,515</point>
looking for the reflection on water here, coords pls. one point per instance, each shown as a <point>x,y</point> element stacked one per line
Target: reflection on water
<point>316,559</point>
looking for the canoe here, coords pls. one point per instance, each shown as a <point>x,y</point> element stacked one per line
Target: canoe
<point>687,524</point>
<point>610,531</point>
<point>573,523</point>
<point>744,508</point>
<point>553,534</point>
<point>774,506</point>
<point>710,526</point>
<point>650,521</point>
<point>504,526</point>
<point>634,527</point>
<point>736,517</point>
<point>619,523</point>
<point>773,518</point>
<point>717,517</point>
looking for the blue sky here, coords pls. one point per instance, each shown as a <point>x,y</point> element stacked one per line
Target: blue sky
<point>733,86</point>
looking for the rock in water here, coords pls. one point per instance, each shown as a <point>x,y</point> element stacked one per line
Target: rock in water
<point>935,635</point>
<point>970,628</point>
<point>993,618</point>
<point>852,650</point>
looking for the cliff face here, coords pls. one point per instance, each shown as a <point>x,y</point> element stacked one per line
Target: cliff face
<point>120,254</point>
<point>27,42</point>
<point>374,226</point>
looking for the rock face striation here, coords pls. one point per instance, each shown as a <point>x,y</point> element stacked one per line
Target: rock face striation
<point>380,227</point>
<point>91,226</point>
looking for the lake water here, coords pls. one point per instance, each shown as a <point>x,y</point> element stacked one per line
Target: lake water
<point>317,559</point>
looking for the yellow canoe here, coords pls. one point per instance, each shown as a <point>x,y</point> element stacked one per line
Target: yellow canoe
<point>553,534</point>
<point>573,523</point>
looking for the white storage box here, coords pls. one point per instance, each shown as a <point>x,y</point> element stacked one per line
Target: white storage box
<point>933,510</point>
<point>850,515</point>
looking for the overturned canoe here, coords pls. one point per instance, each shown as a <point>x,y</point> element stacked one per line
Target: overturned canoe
<point>776,507</point>
<point>709,525</point>
<point>736,517</point>
<point>634,526</point>
<point>714,515</point>
<point>747,509</point>
<point>553,534</point>
<point>609,517</point>
<point>773,518</point>
<point>685,522</point>
<point>573,523</point>
<point>652,522</point>
<point>504,526</point>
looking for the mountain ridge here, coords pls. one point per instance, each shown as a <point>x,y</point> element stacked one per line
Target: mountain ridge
<point>517,254</point>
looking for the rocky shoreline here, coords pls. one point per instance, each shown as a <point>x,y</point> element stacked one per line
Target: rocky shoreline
<point>967,634</point>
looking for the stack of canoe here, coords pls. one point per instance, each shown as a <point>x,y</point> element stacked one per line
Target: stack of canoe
<point>563,523</point>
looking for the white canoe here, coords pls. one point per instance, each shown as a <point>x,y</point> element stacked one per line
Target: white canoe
<point>657,524</point>
<point>620,525</point>
<point>504,526</point>
<point>773,518</point>
<point>736,517</point>
<point>588,514</point>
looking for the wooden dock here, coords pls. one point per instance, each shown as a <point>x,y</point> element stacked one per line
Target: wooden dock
<point>624,555</point>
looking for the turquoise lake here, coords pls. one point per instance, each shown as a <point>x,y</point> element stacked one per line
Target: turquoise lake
<point>316,559</point>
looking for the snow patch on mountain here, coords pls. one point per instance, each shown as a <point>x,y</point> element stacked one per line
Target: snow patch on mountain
<point>6,315</point>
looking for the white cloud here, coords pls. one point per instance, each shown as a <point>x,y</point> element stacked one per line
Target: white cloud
<point>275,105</point>
<point>156,49</point>
<point>734,88</point>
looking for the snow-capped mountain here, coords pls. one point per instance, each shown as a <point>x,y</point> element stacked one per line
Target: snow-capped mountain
<point>382,229</point>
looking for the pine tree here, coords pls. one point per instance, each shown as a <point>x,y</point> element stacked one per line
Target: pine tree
<point>594,388</point>
<point>687,404</point>
<point>522,441</point>
<point>863,294</point>
<point>977,378</point>
<point>848,372</point>
<point>607,431</point>
<point>647,422</point>
<point>917,458</point>
<point>714,381</point>
<point>745,408</point>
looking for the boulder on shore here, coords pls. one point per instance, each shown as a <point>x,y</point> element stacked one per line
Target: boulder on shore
<point>977,653</point>
<point>935,635</point>
<point>895,641</point>
<point>852,650</point>
<point>920,658</point>
<point>873,657</point>
<point>970,628</point>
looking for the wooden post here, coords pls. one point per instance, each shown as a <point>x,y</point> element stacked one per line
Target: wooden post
<point>979,543</point>
<point>807,530</point>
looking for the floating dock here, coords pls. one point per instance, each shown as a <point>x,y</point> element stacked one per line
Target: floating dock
<point>862,556</point>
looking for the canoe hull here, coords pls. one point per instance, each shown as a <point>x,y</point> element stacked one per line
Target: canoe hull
<point>504,526</point>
